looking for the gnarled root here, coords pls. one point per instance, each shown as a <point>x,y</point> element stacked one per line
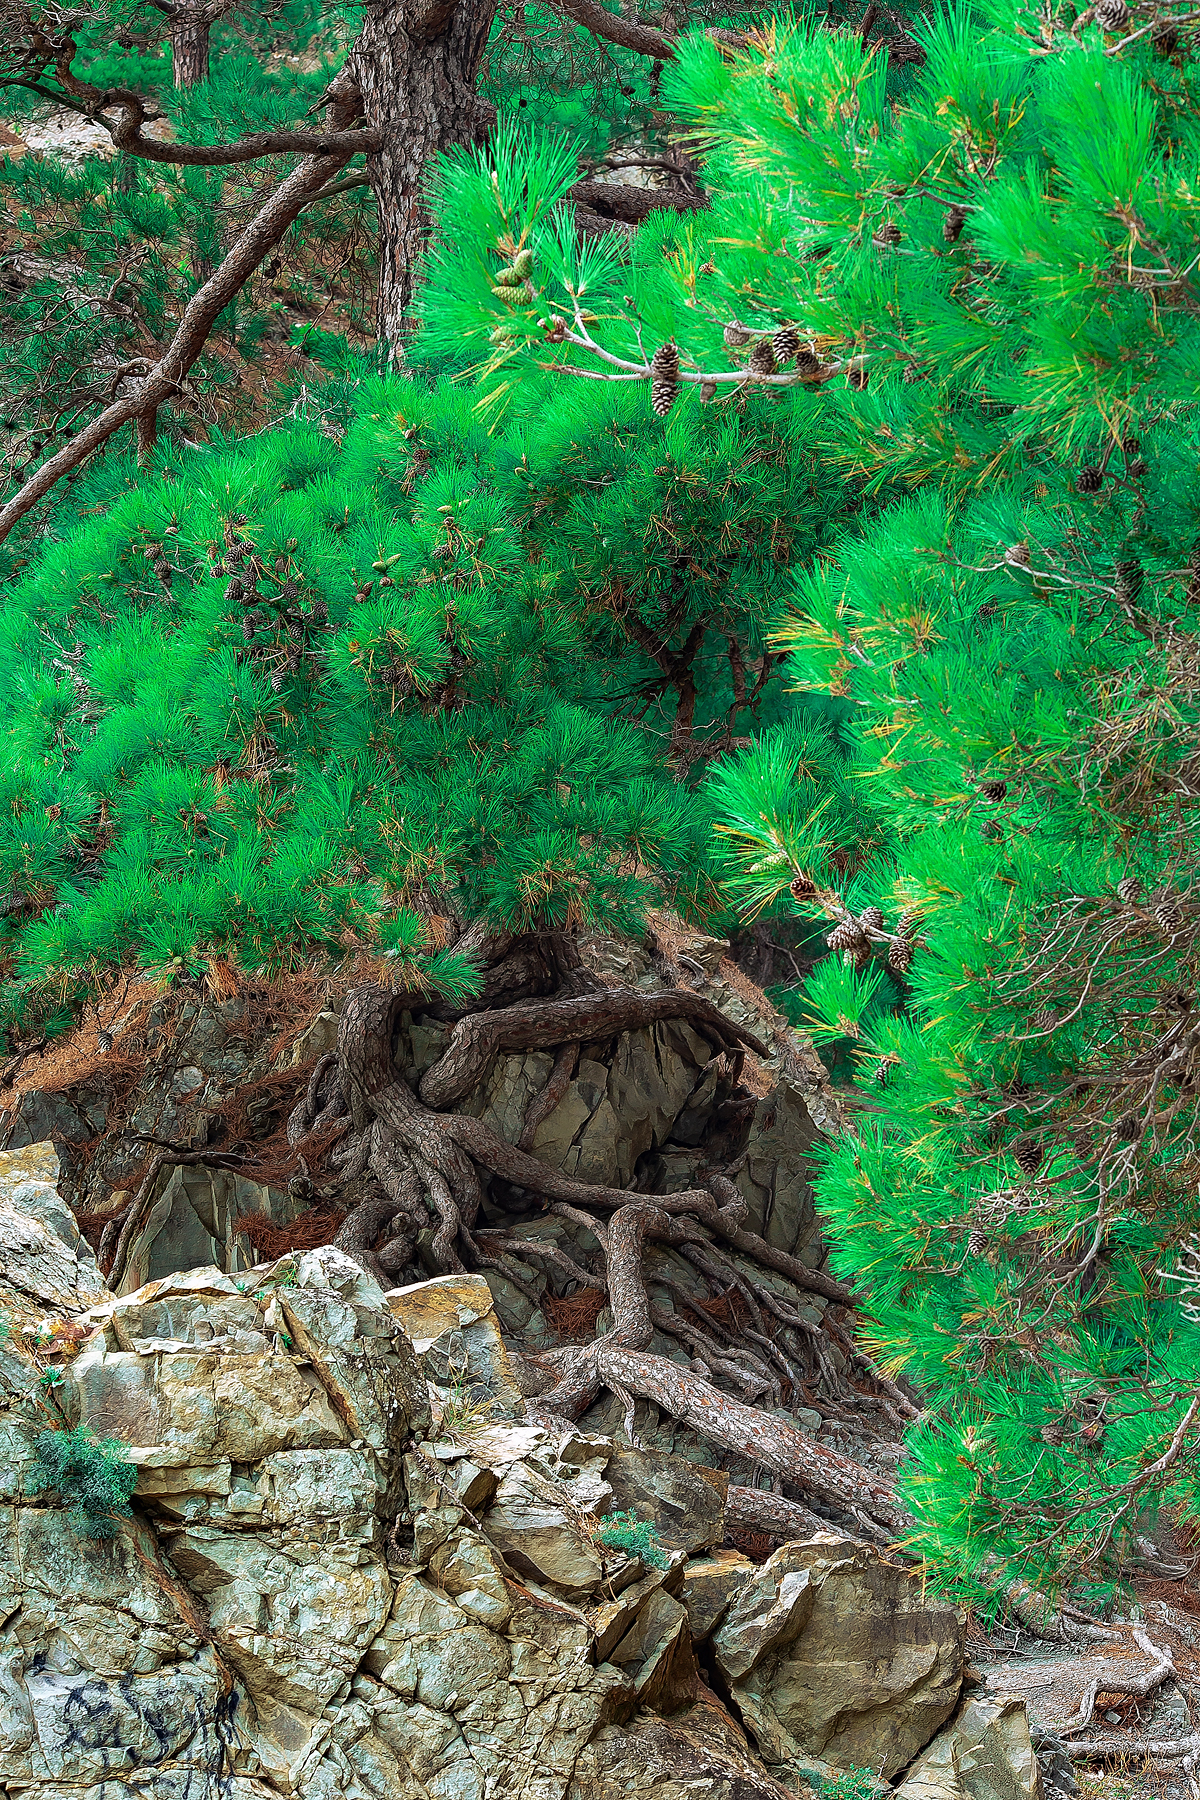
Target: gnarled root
<point>753,1509</point>
<point>427,1164</point>
<point>1117,1679</point>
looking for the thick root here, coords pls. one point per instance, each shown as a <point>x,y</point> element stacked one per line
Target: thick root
<point>428,1164</point>
<point>753,1509</point>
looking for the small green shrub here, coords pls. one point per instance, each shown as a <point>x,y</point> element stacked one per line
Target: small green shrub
<point>848,1784</point>
<point>93,1475</point>
<point>625,1531</point>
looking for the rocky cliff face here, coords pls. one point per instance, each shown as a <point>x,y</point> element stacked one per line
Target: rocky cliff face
<point>355,1570</point>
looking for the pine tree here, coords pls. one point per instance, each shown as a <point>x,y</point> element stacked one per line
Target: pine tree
<point>1009,633</point>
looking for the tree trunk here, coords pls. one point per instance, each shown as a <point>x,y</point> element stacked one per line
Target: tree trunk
<point>189,48</point>
<point>416,63</point>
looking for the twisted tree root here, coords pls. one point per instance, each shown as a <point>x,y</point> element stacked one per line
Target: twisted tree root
<point>426,1159</point>
<point>1117,1680</point>
<point>756,1510</point>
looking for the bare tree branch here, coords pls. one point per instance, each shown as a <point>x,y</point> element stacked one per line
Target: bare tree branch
<point>631,34</point>
<point>252,245</point>
<point>621,200</point>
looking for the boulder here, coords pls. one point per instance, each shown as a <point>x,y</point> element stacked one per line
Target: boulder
<point>684,1503</point>
<point>710,1584</point>
<point>452,1325</point>
<point>621,1602</point>
<point>46,1266</point>
<point>985,1754</point>
<point>533,1521</point>
<point>833,1652</point>
<point>656,1654</point>
<point>700,1752</point>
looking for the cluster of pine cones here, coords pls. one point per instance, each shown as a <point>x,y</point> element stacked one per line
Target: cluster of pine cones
<point>768,357</point>
<point>853,937</point>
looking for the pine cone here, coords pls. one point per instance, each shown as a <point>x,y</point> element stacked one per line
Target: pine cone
<point>1135,468</point>
<point>1165,39</point>
<point>977,1241</point>
<point>883,1069</point>
<point>664,379</point>
<point>785,344</point>
<point>1129,579</point>
<point>1029,1155</point>
<point>1090,479</point>
<point>1129,1128</point>
<point>886,235</point>
<point>762,358</point>
<point>856,375</point>
<point>1111,15</point>
<point>900,956</point>
<point>1043,1018</point>
<point>802,886</point>
<point>807,363</point>
<point>277,682</point>
<point>906,924</point>
<point>871,918</point>
<point>104,1040</point>
<point>1169,914</point>
<point>1018,555</point>
<point>846,936</point>
<point>914,371</point>
<point>1054,1435</point>
<point>952,224</point>
<point>247,628</point>
<point>1129,889</point>
<point>735,335</point>
<point>993,790</point>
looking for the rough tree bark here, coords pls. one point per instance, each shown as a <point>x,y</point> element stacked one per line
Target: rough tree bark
<point>189,47</point>
<point>416,63</point>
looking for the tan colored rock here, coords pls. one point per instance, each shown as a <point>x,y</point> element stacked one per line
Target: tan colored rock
<point>533,1522</point>
<point>317,1039</point>
<point>765,1618</point>
<point>452,1325</point>
<point>656,1654</point>
<point>620,1603</point>
<point>338,1489</point>
<point>710,1584</point>
<point>984,1754</point>
<point>186,1407</point>
<point>45,1265</point>
<point>871,1673</point>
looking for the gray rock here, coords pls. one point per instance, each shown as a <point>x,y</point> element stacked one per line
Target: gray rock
<point>45,1264</point>
<point>984,1754</point>
<point>834,1653</point>
<point>685,1505</point>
